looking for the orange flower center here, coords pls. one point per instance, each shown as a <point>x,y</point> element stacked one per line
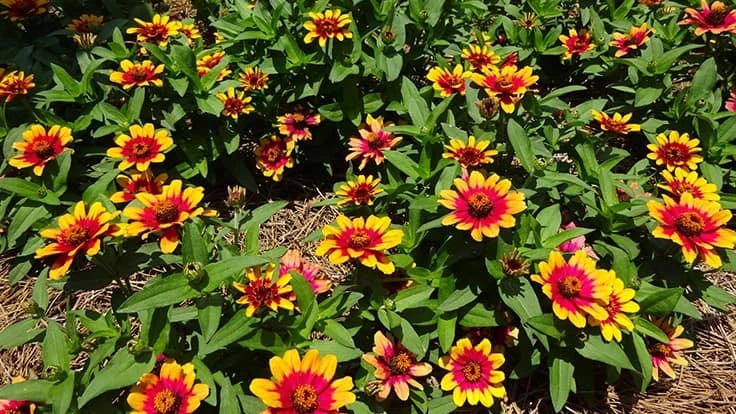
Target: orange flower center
<point>24,7</point>
<point>273,154</point>
<point>42,148</point>
<point>327,27</point>
<point>570,286</point>
<point>400,363</point>
<point>166,402</point>
<point>157,32</point>
<point>166,211</point>
<point>138,74</point>
<point>75,235</point>
<point>505,83</point>
<point>472,371</point>
<point>304,398</point>
<point>479,205</point>
<point>690,224</point>
<point>469,156</point>
<point>359,240</point>
<point>581,43</point>
<point>661,349</point>
<point>141,149</point>
<point>717,15</point>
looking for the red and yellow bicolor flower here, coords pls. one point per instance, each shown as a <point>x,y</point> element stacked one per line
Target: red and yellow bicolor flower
<point>142,147</point>
<point>173,391</point>
<point>474,374</point>
<point>396,367</point>
<point>40,146</point>
<point>265,289</point>
<point>508,84</point>
<point>327,25</point>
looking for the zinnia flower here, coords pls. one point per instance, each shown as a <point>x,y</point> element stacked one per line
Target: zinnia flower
<point>327,25</point>
<point>273,155</point>
<point>295,126</point>
<point>715,18</point>
<point>619,304</point>
<point>617,124</point>
<point>371,143</point>
<point>696,225</point>
<point>474,373</point>
<point>625,43</point>
<point>685,181</point>
<point>675,151</point>
<point>15,84</point>
<point>23,9</point>
<point>164,213</point>
<point>663,355</point>
<point>396,367</point>
<point>234,103</point>
<point>470,153</point>
<point>576,288</point>
<point>730,102</point>
<point>137,74</point>
<point>576,43</point>
<point>293,260</point>
<point>141,148</point>
<point>138,182</point>
<point>17,406</point>
<point>172,391</point>
<point>480,57</point>
<point>86,23</point>
<point>481,205</point>
<point>81,230</point>
<point>157,31</point>
<point>253,79</point>
<point>448,83</point>
<point>208,62</point>
<point>365,240</point>
<point>361,191</point>
<point>303,385</point>
<point>191,32</point>
<point>39,147</point>
<point>269,290</point>
<point>509,84</point>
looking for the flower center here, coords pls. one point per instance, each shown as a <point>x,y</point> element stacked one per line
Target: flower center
<point>359,239</point>
<point>505,83</point>
<point>570,286</point>
<point>166,402</point>
<point>273,154</point>
<point>479,205</point>
<point>166,211</point>
<point>328,27</point>
<point>141,149</point>
<point>690,224</point>
<point>43,148</point>
<point>362,194</point>
<point>675,153</point>
<point>76,235</point>
<point>374,141</point>
<point>580,43</point>
<point>469,156</point>
<point>400,363</point>
<point>304,398</point>
<point>24,7</point>
<point>157,32</point>
<point>260,293</point>
<point>138,74</point>
<point>472,371</point>
<point>233,105</point>
<point>717,14</point>
<point>660,349</point>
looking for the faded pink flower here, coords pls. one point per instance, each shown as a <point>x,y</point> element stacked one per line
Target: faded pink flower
<point>578,243</point>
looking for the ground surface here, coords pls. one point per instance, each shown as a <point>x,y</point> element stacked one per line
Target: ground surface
<point>707,385</point>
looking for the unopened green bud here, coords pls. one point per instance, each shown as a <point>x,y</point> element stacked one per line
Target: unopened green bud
<point>136,347</point>
<point>387,35</point>
<point>389,304</point>
<point>194,271</point>
<point>53,373</point>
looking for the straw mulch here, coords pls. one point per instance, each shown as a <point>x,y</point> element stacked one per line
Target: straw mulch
<point>707,385</point>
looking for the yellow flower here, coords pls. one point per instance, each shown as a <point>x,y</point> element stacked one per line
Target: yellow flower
<point>327,25</point>
<point>268,289</point>
<point>361,191</point>
<point>449,83</point>
<point>173,390</point>
<point>617,124</point>
<point>137,74</point>
<point>675,151</point>
<point>141,148</point>
<point>475,373</point>
<point>620,302</point>
<point>157,31</point>
<point>471,153</point>
<point>235,103</point>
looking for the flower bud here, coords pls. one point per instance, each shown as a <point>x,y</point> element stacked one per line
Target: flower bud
<point>387,35</point>
<point>488,107</point>
<point>389,304</point>
<point>194,271</point>
<point>136,347</point>
<point>236,196</point>
<point>30,307</point>
<point>53,373</point>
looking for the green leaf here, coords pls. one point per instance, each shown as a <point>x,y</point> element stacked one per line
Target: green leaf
<point>307,303</point>
<point>611,353</point>
<point>547,324</point>
<point>521,144</point>
<point>193,248</point>
<point>414,296</point>
<point>135,104</point>
<point>19,333</point>
<point>159,293</point>
<point>519,295</point>
<point>560,381</point>
<point>55,350</point>
<point>446,324</point>
<point>414,103</point>
<point>563,236</point>
<point>209,311</point>
<point>23,219</point>
<point>479,316</point>
<point>457,300</point>
<point>660,302</point>
<point>264,212</point>
<point>651,330</point>
<point>237,327</point>
<point>403,163</point>
<point>644,359</point>
<point>442,405</point>
<point>343,353</point>
<point>122,371</point>
<point>29,190</point>
<point>704,81</point>
<point>338,333</point>
<point>30,390</point>
<point>72,86</point>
